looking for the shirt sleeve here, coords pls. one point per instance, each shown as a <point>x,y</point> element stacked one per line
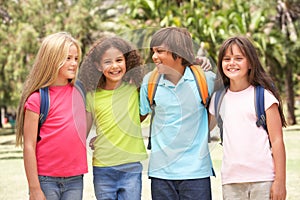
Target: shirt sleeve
<point>210,79</point>
<point>33,103</point>
<point>144,103</point>
<point>270,99</point>
<point>211,108</point>
<point>89,102</point>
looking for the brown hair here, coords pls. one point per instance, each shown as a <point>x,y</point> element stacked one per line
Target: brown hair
<point>178,41</point>
<point>256,76</point>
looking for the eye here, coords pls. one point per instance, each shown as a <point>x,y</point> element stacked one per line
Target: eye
<point>161,50</point>
<point>120,60</point>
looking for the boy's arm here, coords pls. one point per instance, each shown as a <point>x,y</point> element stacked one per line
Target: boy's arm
<point>278,190</point>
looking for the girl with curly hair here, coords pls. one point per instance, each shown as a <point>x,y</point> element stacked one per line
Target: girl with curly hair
<point>111,73</point>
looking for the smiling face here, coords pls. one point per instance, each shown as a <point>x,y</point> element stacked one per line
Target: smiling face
<point>235,65</point>
<point>113,66</point>
<point>165,62</point>
<point>69,69</point>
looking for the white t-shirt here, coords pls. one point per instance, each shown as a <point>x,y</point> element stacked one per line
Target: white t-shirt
<point>247,156</point>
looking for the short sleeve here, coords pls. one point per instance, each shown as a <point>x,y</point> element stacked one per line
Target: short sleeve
<point>33,103</point>
<point>144,103</point>
<point>211,108</point>
<point>270,99</point>
<point>89,102</point>
<point>210,79</point>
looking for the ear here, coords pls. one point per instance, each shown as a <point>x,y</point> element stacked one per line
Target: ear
<point>98,66</point>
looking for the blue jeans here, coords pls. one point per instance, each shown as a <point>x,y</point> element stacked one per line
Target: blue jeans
<point>122,182</point>
<point>60,188</point>
<point>192,189</point>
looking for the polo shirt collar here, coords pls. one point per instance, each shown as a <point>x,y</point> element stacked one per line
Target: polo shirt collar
<point>188,75</point>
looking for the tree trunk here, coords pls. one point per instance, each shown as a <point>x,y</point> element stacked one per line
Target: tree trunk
<point>290,100</point>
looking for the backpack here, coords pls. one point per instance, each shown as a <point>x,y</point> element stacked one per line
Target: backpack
<point>45,103</point>
<point>153,83</point>
<point>259,102</point>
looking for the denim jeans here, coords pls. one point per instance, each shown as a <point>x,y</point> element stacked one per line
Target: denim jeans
<point>60,188</point>
<point>122,182</point>
<point>192,189</point>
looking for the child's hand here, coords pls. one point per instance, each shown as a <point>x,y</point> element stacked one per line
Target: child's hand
<point>204,62</point>
<point>91,143</point>
<point>36,194</point>
<point>278,191</point>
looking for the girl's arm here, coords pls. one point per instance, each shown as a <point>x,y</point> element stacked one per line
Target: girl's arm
<point>212,122</point>
<point>29,153</point>
<point>89,122</point>
<point>278,190</point>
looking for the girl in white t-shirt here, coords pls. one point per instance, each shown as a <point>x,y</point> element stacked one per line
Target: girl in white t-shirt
<point>254,160</point>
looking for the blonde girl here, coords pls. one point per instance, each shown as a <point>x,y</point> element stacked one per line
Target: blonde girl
<point>55,163</point>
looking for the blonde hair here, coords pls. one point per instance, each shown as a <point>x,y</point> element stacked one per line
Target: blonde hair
<point>51,56</point>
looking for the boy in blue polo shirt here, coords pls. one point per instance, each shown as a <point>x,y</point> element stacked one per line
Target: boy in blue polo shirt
<point>180,165</point>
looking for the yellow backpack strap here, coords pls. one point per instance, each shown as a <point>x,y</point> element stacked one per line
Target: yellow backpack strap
<point>152,85</point>
<point>201,83</point>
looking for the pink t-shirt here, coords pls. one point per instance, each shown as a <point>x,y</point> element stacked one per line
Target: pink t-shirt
<point>62,150</point>
<point>247,156</point>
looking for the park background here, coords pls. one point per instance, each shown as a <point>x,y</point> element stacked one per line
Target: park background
<point>273,26</point>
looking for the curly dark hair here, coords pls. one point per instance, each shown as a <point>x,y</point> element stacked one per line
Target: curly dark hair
<point>92,78</point>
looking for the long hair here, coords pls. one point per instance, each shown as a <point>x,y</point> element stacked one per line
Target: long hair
<point>89,73</point>
<point>256,75</point>
<point>178,41</point>
<point>51,56</point>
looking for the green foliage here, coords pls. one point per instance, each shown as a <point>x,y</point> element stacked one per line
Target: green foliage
<point>25,23</point>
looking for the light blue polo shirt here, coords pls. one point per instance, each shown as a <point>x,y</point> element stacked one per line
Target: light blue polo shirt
<point>179,135</point>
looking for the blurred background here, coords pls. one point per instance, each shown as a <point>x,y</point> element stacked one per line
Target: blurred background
<point>273,25</point>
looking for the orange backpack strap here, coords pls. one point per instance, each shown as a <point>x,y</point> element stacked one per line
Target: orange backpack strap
<point>152,85</point>
<point>201,83</point>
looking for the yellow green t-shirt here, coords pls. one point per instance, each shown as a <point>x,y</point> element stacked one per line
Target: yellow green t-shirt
<point>119,135</point>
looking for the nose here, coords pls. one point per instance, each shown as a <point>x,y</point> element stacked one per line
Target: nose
<point>114,64</point>
<point>154,56</point>
<point>231,61</point>
<point>74,62</point>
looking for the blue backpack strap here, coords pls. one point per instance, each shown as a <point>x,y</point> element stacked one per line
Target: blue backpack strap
<point>44,108</point>
<point>80,87</point>
<point>217,104</point>
<point>260,107</point>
